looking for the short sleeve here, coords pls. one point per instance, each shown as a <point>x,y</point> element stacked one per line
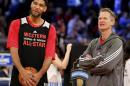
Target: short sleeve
<point>12,40</point>
<point>51,43</point>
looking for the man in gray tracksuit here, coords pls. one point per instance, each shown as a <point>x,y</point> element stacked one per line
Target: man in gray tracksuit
<point>103,58</point>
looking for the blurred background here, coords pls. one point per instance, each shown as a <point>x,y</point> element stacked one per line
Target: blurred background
<point>75,21</point>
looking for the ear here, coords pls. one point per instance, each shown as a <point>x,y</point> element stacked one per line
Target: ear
<point>45,9</point>
<point>113,21</point>
<point>31,4</point>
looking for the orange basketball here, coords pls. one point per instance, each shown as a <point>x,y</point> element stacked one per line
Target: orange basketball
<point>33,70</point>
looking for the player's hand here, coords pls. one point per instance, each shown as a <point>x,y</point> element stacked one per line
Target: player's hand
<point>27,77</point>
<point>37,78</point>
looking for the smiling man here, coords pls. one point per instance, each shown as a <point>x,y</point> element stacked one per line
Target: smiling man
<point>105,61</point>
<point>36,50</point>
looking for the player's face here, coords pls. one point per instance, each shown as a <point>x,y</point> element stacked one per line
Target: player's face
<point>38,7</point>
<point>105,21</point>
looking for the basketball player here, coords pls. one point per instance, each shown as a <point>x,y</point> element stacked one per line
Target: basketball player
<point>32,44</point>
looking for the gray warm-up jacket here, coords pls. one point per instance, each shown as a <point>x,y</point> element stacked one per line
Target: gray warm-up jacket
<point>106,65</point>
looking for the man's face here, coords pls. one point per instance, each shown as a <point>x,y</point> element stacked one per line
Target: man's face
<point>38,7</point>
<point>105,21</point>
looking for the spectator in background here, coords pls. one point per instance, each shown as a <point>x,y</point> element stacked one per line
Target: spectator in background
<point>123,20</point>
<point>61,34</point>
<point>91,26</point>
<point>72,24</point>
<point>76,29</point>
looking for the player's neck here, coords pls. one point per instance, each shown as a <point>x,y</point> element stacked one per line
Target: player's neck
<point>36,20</point>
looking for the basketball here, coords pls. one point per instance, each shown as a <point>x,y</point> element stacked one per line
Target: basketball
<point>33,70</point>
